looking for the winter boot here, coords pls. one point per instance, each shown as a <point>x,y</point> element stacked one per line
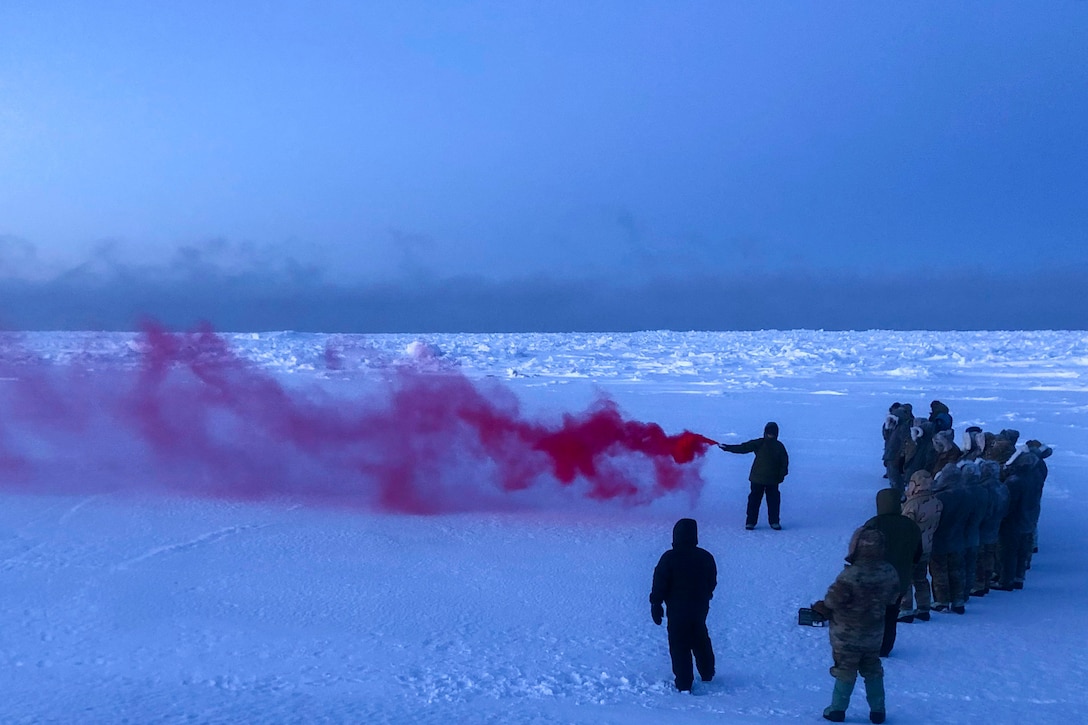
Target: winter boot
<point>922,616</point>
<point>874,695</point>
<point>840,700</point>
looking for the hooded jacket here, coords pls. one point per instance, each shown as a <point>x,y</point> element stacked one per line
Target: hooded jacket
<point>951,533</point>
<point>923,507</point>
<point>772,462</point>
<point>685,577</point>
<point>900,434</point>
<point>990,479</point>
<point>902,537</point>
<point>918,452</point>
<point>977,502</point>
<point>944,445</point>
<point>1024,479</point>
<point>860,595</point>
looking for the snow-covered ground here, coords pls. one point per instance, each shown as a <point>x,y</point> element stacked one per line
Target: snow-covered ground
<point>138,587</point>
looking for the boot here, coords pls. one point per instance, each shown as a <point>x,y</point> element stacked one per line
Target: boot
<point>874,695</point>
<point>840,700</point>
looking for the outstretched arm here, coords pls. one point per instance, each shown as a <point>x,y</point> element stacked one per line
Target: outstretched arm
<point>746,447</point>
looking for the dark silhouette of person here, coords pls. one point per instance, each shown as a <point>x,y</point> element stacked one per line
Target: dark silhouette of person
<point>684,582</point>
<point>770,468</point>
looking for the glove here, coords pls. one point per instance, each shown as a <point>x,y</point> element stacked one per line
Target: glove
<point>821,609</point>
<point>657,612</point>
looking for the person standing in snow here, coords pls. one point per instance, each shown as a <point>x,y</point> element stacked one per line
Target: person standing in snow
<point>902,549</point>
<point>769,469</point>
<point>919,453</point>
<point>856,604</point>
<point>923,508</point>
<point>1024,479</point>
<point>990,473</point>
<point>949,541</point>
<point>900,420</point>
<point>684,582</point>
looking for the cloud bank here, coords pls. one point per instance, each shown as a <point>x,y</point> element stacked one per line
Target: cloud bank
<point>243,290</point>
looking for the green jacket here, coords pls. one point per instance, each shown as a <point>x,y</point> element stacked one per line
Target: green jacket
<point>772,463</point>
<point>902,537</point>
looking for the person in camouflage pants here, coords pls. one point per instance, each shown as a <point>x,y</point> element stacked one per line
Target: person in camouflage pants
<point>923,508</point>
<point>856,604</point>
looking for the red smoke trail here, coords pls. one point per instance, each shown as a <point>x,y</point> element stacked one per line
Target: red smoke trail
<point>195,416</point>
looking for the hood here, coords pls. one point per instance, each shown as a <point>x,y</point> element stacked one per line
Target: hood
<point>969,473</point>
<point>937,407</point>
<point>770,430</point>
<point>867,544</point>
<point>948,477</point>
<point>999,449</point>
<point>1040,449</point>
<point>1022,459</point>
<point>904,413</point>
<point>989,471</point>
<point>1009,434</point>
<point>887,502</point>
<point>944,442</point>
<point>921,482</point>
<point>685,534</point>
<point>921,429</point>
<point>974,440</point>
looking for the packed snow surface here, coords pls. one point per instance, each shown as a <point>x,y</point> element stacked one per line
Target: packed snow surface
<point>127,599</point>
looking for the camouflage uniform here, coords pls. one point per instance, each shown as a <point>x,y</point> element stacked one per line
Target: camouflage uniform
<point>923,508</point>
<point>856,604</point>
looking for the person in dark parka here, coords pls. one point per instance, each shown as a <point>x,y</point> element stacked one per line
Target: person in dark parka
<point>940,416</point>
<point>1024,479</point>
<point>902,549</point>
<point>894,444</point>
<point>949,541</point>
<point>684,582</point>
<point>770,468</point>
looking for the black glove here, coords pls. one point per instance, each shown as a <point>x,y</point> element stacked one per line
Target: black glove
<point>657,612</point>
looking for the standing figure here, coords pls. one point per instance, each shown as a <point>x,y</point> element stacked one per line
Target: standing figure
<point>923,508</point>
<point>949,541</point>
<point>902,549</point>
<point>770,468</point>
<point>990,473</point>
<point>684,581</point>
<point>894,443</point>
<point>856,604</point>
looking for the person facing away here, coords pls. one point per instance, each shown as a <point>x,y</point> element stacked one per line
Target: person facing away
<point>902,549</point>
<point>856,604</point>
<point>684,582</point>
<point>770,468</point>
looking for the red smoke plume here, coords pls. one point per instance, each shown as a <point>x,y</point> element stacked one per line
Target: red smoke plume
<point>192,415</point>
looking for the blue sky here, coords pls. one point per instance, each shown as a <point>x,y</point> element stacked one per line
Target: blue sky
<point>464,151</point>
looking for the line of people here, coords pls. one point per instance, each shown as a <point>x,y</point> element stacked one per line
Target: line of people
<point>976,504</point>
<point>964,517</point>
